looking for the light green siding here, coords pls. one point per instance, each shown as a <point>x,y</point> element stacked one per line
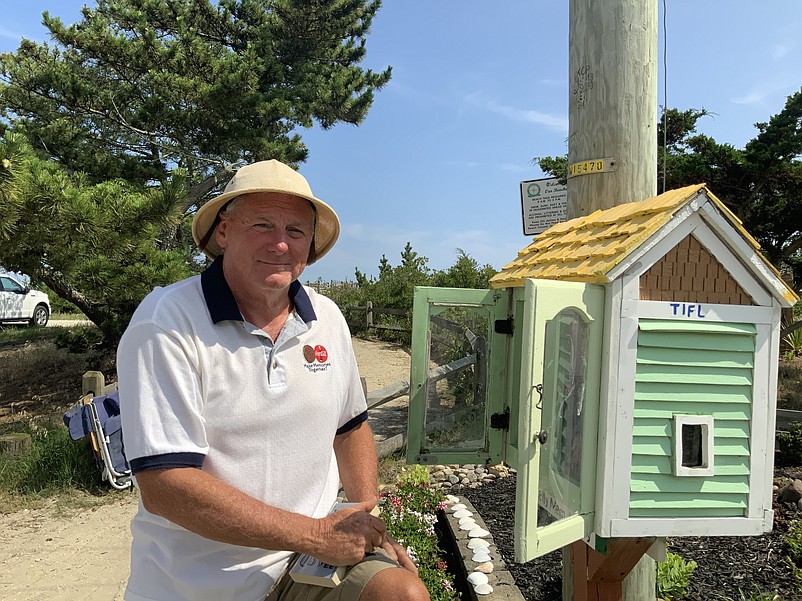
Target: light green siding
<point>691,368</point>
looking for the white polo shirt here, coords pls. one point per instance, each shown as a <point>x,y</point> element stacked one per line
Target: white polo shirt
<point>200,387</point>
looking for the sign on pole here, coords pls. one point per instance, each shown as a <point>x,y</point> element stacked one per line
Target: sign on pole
<point>544,202</point>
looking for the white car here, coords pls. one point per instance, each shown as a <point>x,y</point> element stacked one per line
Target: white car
<point>19,303</point>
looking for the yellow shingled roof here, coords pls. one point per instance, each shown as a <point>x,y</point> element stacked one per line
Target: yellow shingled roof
<point>587,248</point>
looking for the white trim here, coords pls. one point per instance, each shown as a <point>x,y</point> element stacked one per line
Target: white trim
<point>625,402</point>
<point>645,309</point>
<point>759,435</point>
<point>708,453</point>
<point>605,470</point>
<point>746,253</point>
<point>771,410</point>
<point>733,263</point>
<point>658,244</point>
<point>714,526</point>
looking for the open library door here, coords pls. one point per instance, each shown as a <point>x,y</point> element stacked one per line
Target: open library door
<point>559,408</point>
<point>456,404</point>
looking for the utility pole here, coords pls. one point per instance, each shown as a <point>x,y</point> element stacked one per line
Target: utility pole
<point>612,147</point>
<point>612,68</point>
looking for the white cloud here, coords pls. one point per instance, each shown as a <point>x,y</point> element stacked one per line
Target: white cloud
<point>557,122</point>
<point>12,35</point>
<point>756,97</point>
<point>778,51</point>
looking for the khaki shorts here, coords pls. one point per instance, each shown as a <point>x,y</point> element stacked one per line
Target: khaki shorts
<point>356,578</point>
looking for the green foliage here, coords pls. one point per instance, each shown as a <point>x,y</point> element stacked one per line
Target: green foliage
<point>413,475</point>
<point>792,547</point>
<point>54,463</point>
<point>79,339</point>
<point>410,513</point>
<point>93,244</point>
<point>138,87</point>
<point>792,343</point>
<point>673,577</point>
<point>394,288</point>
<point>789,446</point>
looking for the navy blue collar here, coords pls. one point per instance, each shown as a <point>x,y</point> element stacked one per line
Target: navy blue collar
<point>223,306</point>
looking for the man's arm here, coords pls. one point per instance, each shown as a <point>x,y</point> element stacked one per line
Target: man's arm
<point>357,463</point>
<point>358,466</point>
<point>213,509</point>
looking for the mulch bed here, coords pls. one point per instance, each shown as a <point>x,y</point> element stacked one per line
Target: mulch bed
<point>726,566</point>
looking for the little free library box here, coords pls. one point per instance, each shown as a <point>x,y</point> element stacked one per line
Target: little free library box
<point>625,363</point>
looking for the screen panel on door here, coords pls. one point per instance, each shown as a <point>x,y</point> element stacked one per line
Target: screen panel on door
<point>452,339</point>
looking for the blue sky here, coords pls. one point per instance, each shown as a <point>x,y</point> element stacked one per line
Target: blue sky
<point>478,90</point>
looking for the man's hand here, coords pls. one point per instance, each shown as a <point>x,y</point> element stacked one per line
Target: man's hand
<point>345,536</point>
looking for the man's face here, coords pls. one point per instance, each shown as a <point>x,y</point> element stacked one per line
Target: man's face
<point>265,240</point>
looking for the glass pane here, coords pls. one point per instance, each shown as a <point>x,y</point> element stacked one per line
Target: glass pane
<point>457,382</point>
<point>692,445</point>
<point>565,368</point>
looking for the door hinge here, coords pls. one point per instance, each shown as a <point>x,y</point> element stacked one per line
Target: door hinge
<point>500,421</point>
<point>503,326</point>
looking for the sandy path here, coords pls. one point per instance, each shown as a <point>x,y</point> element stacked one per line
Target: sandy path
<point>46,556</point>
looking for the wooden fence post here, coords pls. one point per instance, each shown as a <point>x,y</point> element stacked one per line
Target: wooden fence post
<point>369,314</point>
<point>93,383</point>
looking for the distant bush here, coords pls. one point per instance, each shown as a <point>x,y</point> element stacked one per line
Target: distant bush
<point>395,286</point>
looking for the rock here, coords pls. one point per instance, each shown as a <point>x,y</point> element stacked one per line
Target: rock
<point>453,479</point>
<point>462,513</point>
<point>476,578</point>
<point>478,532</point>
<point>791,492</point>
<point>458,506</point>
<point>481,556</point>
<point>478,543</point>
<point>483,589</point>
<point>485,568</point>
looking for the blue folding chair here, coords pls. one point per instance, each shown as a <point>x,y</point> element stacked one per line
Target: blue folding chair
<point>99,419</point>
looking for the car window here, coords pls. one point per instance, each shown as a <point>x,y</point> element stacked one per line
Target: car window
<point>9,285</point>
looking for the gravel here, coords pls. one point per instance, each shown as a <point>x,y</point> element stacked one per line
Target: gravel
<point>726,566</point>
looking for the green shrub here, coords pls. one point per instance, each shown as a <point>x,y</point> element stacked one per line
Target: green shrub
<point>673,577</point>
<point>410,513</point>
<point>789,446</point>
<point>54,463</point>
<point>80,339</point>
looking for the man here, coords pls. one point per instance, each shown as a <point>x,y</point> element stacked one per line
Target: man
<point>243,411</point>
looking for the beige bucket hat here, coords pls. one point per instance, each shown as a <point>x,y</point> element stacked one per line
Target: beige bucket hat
<point>265,176</point>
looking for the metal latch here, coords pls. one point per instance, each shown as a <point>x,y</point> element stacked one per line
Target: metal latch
<point>503,326</point>
<point>500,421</point>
